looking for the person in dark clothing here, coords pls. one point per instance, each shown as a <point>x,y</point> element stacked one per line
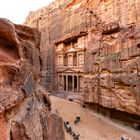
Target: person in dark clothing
<point>67,126</point>
<point>76,136</point>
<point>77,120</point>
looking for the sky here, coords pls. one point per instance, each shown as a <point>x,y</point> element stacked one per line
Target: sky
<point>17,10</point>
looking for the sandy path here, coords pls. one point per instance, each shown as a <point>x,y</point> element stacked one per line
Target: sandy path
<point>92,126</point>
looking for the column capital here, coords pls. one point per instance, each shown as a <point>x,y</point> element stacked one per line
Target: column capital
<point>73,83</point>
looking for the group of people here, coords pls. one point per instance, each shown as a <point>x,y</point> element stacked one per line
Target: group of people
<point>76,136</point>
<point>70,130</point>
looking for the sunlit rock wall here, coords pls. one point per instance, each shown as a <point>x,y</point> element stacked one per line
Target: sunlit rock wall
<point>112,48</point>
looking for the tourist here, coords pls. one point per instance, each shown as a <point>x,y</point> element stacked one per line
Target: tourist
<point>125,137</point>
<point>77,119</point>
<point>68,126</point>
<point>76,136</point>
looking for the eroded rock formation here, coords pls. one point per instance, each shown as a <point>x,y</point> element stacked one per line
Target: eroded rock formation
<point>109,32</point>
<point>25,108</point>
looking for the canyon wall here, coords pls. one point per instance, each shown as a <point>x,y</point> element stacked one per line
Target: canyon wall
<point>112,55</point>
<point>25,108</point>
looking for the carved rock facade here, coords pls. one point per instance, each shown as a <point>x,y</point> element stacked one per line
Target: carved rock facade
<point>24,105</point>
<point>109,32</point>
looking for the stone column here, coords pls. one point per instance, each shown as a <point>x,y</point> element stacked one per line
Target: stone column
<point>66,82</point>
<point>58,83</point>
<point>73,83</point>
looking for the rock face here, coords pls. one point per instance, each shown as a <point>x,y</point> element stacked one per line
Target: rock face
<point>24,104</point>
<point>111,29</point>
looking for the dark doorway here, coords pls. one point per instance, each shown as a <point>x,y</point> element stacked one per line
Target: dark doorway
<point>75,83</point>
<point>64,82</point>
<point>69,83</point>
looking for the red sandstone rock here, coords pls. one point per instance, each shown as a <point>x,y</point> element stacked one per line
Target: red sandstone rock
<point>111,35</point>
<point>18,131</point>
<point>23,108</point>
<point>3,134</point>
<point>8,41</point>
<point>8,32</point>
<point>54,132</point>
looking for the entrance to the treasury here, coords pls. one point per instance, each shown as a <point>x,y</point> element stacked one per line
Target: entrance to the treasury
<point>75,84</point>
<point>72,83</point>
<point>69,83</point>
<point>64,83</point>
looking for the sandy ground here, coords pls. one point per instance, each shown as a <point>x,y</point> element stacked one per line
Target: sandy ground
<point>92,126</point>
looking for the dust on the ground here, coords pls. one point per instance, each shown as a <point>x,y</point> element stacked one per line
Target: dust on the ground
<point>92,126</point>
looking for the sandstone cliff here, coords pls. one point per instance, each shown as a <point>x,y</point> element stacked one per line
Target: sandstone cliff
<point>25,108</point>
<point>112,56</point>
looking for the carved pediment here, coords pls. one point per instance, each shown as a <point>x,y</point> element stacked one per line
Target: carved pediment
<point>69,70</point>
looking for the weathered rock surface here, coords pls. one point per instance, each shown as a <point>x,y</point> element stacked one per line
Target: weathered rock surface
<point>112,56</point>
<point>24,104</point>
<point>54,132</point>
